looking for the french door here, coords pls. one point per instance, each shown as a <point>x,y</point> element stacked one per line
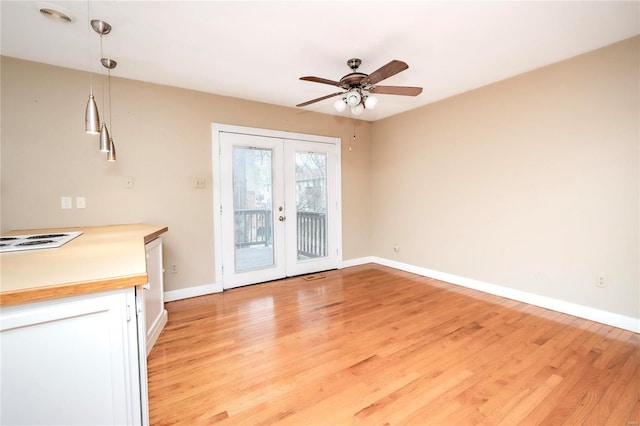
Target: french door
<point>279,206</point>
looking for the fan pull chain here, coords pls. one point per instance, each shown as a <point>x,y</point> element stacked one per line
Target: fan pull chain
<point>353,139</point>
<point>353,127</point>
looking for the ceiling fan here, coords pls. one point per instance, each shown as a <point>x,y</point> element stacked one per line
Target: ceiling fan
<point>359,86</point>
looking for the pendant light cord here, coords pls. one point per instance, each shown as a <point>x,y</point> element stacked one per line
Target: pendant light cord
<point>109,81</point>
<point>102,74</point>
<point>90,52</point>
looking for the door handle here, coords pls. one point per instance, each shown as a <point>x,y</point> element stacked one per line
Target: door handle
<point>282,218</point>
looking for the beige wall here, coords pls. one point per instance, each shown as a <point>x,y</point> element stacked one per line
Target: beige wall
<point>531,183</point>
<point>163,140</point>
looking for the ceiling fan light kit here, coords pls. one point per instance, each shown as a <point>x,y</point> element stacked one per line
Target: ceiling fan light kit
<point>370,102</point>
<point>357,110</point>
<point>359,87</point>
<point>353,98</point>
<point>340,105</point>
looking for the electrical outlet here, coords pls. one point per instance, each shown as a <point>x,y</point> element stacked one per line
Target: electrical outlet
<point>601,281</point>
<point>81,202</point>
<point>174,268</point>
<point>200,182</point>
<point>396,248</point>
<point>128,182</point>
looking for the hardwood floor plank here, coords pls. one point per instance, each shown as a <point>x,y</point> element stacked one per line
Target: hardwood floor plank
<point>634,418</point>
<point>595,382</point>
<point>529,399</point>
<point>567,366</point>
<point>372,345</point>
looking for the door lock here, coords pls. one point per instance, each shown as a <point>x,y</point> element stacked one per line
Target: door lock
<point>282,218</point>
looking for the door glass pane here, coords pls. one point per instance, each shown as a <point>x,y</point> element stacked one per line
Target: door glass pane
<point>311,204</point>
<point>253,207</point>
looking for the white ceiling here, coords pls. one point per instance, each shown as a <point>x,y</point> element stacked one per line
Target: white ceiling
<point>258,50</point>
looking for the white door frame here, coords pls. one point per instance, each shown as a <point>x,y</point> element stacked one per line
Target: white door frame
<point>216,129</point>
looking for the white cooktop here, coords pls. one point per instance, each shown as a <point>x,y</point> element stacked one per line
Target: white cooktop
<point>35,241</point>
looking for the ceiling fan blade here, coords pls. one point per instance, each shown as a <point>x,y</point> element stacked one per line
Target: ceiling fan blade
<point>319,99</point>
<point>396,90</point>
<point>321,80</point>
<point>386,71</point>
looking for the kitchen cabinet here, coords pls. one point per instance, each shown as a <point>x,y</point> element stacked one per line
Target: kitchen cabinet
<point>155,313</point>
<point>73,360</point>
<point>73,327</point>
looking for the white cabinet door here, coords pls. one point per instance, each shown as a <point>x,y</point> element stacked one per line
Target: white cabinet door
<point>155,313</point>
<point>141,354</point>
<point>71,361</point>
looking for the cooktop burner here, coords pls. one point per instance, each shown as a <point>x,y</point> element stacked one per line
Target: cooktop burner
<point>38,237</point>
<point>35,241</point>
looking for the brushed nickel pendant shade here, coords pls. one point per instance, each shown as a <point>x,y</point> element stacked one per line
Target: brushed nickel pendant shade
<point>104,138</point>
<point>91,116</point>
<point>111,156</point>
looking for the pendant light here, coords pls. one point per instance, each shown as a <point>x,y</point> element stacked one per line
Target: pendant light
<point>91,116</point>
<point>106,141</point>
<point>109,64</point>
<point>105,138</point>
<point>102,28</point>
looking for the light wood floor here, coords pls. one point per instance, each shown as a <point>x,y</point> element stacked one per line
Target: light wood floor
<point>371,345</point>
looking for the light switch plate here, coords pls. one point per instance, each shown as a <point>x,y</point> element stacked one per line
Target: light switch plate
<point>66,202</point>
<point>81,203</point>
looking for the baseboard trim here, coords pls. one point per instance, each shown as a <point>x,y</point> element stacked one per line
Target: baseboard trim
<point>202,290</point>
<point>156,329</point>
<point>186,293</point>
<point>356,262</point>
<point>586,312</point>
